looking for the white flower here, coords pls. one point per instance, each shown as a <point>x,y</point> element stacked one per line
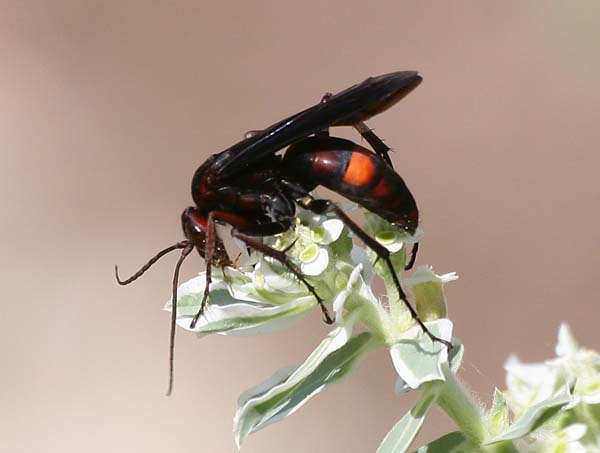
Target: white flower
<point>528,383</point>
<point>575,428</point>
<point>314,255</point>
<point>571,436</point>
<point>388,235</point>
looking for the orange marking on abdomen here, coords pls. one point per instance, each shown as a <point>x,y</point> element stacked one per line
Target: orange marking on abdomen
<point>360,171</point>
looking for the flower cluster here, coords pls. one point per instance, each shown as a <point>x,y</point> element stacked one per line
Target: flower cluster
<point>576,427</point>
<point>262,296</point>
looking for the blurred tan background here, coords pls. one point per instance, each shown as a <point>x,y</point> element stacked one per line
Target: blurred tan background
<point>106,110</point>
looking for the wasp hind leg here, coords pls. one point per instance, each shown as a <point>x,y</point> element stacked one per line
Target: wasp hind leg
<point>324,206</point>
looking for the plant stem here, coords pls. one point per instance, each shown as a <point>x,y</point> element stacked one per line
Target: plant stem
<point>460,406</point>
<point>457,401</point>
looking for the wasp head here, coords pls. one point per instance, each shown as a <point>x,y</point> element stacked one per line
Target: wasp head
<point>194,224</point>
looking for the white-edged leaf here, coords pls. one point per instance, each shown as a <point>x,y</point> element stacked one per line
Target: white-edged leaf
<point>535,415</point>
<point>248,319</point>
<point>401,436</point>
<point>356,289</point>
<point>359,256</point>
<point>417,358</point>
<point>226,315</point>
<point>289,389</point>
<point>454,358</point>
<point>454,442</point>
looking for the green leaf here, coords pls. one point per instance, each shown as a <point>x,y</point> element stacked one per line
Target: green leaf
<point>430,300</point>
<point>289,389</point>
<point>536,415</point>
<point>454,442</point>
<point>498,418</point>
<point>428,291</point>
<point>401,436</point>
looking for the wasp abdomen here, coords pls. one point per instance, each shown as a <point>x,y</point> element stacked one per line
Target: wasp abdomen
<point>355,173</point>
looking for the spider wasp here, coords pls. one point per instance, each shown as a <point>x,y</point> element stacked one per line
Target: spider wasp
<point>255,189</point>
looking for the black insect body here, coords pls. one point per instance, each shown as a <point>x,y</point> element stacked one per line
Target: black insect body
<point>255,189</point>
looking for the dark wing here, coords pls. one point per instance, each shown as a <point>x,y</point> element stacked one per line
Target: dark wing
<point>357,103</point>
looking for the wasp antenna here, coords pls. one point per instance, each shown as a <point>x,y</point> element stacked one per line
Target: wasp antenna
<point>149,264</point>
<point>187,248</point>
